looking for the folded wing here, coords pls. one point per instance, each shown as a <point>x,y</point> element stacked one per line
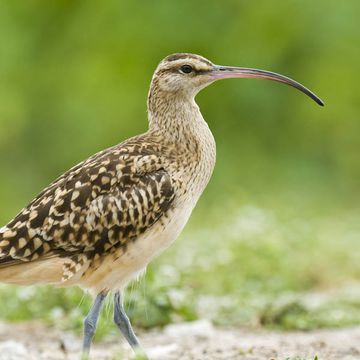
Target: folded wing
<point>102,204</point>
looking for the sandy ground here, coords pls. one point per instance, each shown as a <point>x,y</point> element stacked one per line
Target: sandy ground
<point>188,341</point>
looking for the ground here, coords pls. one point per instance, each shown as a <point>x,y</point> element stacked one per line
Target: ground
<point>186,341</point>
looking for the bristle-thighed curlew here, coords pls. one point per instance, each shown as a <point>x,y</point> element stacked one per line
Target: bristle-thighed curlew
<point>104,220</point>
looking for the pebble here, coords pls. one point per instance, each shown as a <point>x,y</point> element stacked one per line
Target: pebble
<point>200,328</point>
<point>157,351</point>
<point>12,350</point>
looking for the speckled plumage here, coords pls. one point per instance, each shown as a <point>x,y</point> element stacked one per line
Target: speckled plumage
<point>100,208</point>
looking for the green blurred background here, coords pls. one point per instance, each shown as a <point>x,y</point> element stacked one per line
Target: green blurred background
<point>274,240</point>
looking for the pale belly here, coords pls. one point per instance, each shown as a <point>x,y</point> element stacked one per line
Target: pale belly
<point>115,273</point>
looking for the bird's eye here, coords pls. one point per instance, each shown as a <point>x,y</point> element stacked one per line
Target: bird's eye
<point>186,69</point>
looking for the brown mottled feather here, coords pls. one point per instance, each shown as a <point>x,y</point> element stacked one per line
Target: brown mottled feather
<point>100,204</point>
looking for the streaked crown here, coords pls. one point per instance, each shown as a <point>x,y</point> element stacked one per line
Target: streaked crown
<point>183,73</point>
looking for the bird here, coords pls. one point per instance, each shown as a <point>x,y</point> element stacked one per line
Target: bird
<point>99,224</point>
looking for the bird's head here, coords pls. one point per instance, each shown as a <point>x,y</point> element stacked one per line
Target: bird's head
<point>183,74</point>
<point>186,74</point>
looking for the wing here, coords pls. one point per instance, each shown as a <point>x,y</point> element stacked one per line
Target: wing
<point>101,204</point>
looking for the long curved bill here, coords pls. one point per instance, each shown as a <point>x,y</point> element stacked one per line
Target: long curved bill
<point>226,72</point>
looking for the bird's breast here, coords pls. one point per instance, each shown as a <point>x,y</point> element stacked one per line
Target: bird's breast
<point>189,162</point>
<point>198,161</point>
<point>115,272</point>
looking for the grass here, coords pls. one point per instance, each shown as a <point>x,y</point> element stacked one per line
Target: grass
<point>265,263</point>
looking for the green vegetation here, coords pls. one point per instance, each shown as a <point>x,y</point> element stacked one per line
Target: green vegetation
<point>275,239</point>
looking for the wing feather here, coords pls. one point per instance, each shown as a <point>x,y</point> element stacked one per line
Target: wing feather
<point>103,203</point>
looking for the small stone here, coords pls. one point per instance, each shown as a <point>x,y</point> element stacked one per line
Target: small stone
<point>200,328</point>
<point>13,349</point>
<point>69,343</point>
<point>159,351</point>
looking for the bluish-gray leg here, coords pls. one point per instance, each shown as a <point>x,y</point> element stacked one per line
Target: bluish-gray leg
<point>123,323</point>
<point>90,323</point>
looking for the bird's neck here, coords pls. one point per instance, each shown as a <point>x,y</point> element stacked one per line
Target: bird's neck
<point>178,122</point>
<point>176,116</point>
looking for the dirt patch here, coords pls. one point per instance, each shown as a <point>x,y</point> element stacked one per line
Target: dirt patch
<point>189,341</point>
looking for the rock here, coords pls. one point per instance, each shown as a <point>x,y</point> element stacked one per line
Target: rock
<point>199,328</point>
<point>12,350</point>
<point>69,343</point>
<point>160,351</point>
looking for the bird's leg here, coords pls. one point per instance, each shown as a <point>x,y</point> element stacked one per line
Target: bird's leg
<point>90,323</point>
<point>124,325</point>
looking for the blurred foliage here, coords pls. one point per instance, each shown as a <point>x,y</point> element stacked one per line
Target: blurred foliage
<point>280,218</point>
